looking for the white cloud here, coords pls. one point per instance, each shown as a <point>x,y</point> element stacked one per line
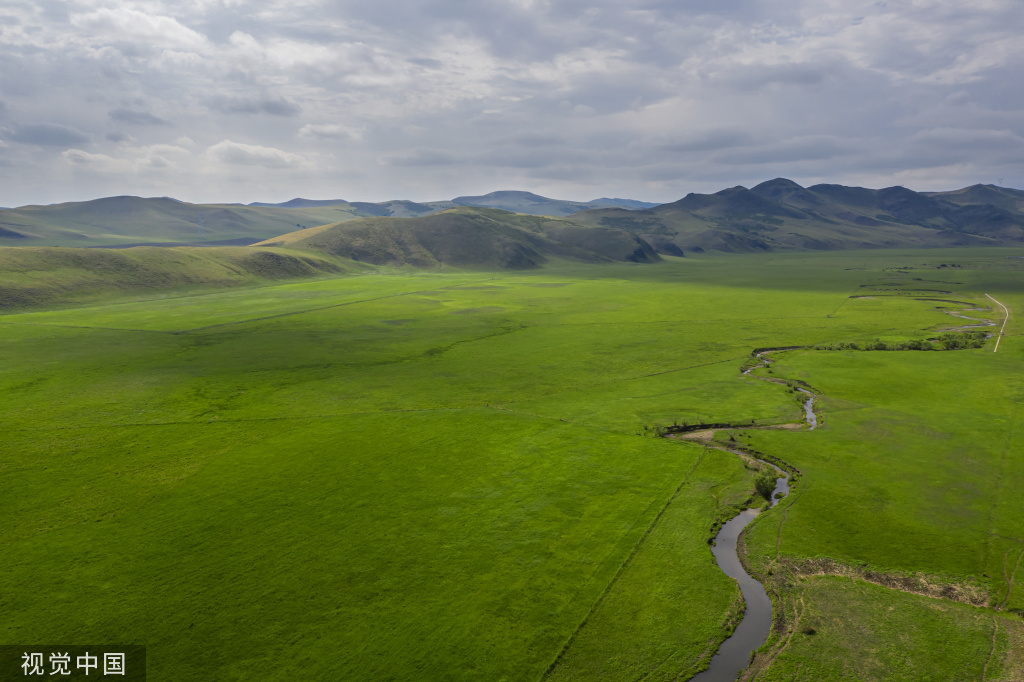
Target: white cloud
<point>330,131</point>
<point>236,153</point>
<point>128,159</point>
<point>126,24</point>
<point>95,162</point>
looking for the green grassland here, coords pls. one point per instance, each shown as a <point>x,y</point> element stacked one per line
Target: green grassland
<point>403,474</point>
<point>856,630</point>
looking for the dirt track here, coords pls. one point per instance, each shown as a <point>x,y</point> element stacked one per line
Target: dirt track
<point>1005,320</point>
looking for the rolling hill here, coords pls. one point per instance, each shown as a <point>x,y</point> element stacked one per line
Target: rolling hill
<point>40,276</point>
<point>139,221</point>
<point>775,215</point>
<point>469,237</point>
<point>130,220</point>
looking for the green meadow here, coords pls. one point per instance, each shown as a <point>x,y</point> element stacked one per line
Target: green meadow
<point>454,474</point>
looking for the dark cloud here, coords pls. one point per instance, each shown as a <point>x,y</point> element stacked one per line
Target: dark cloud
<point>712,140</point>
<point>47,135</point>
<point>140,118</point>
<point>758,76</point>
<point>276,106</point>
<point>423,157</point>
<point>815,148</point>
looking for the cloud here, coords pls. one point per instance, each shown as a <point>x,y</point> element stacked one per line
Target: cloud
<point>140,118</point>
<point>47,135</point>
<point>91,165</point>
<point>648,98</point>
<point>123,24</point>
<point>238,154</point>
<point>710,140</point>
<point>128,159</point>
<point>329,131</point>
<point>422,157</point>
<point>276,106</point>
<point>804,148</point>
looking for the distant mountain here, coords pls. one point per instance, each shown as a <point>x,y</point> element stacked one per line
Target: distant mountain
<point>302,203</point>
<point>776,214</point>
<point>622,203</point>
<point>780,214</point>
<point>1001,197</point>
<point>514,201</point>
<point>469,236</point>
<point>534,204</point>
<point>399,208</point>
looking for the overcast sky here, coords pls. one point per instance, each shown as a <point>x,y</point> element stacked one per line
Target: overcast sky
<point>227,100</point>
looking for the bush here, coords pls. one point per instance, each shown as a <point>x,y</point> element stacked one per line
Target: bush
<point>916,344</point>
<point>765,483</point>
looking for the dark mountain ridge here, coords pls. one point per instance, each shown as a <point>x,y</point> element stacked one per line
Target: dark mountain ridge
<point>780,214</point>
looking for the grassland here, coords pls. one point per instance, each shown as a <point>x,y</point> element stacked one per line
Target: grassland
<point>453,475</point>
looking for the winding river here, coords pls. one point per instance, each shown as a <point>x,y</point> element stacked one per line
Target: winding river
<point>752,632</point>
<point>734,654</point>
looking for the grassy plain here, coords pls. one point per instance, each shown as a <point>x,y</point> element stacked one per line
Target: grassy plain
<point>447,475</point>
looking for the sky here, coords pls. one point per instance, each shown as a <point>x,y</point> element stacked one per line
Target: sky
<point>369,100</point>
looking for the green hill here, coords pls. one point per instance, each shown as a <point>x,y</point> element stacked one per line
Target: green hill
<point>139,221</point>
<point>135,220</point>
<point>39,276</point>
<point>469,237</point>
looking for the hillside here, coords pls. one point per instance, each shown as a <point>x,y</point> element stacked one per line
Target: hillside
<point>780,214</point>
<point>469,237</point>
<point>140,221</point>
<point>32,277</point>
<point>130,220</point>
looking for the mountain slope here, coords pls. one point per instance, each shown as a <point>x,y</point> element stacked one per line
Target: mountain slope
<point>780,214</point>
<point>776,214</point>
<point>39,276</point>
<point>469,237</point>
<point>127,220</point>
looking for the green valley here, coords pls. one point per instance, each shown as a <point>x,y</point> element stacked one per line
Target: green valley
<point>377,472</point>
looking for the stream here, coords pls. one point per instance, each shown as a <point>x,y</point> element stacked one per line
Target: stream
<point>752,632</point>
<point>733,656</point>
